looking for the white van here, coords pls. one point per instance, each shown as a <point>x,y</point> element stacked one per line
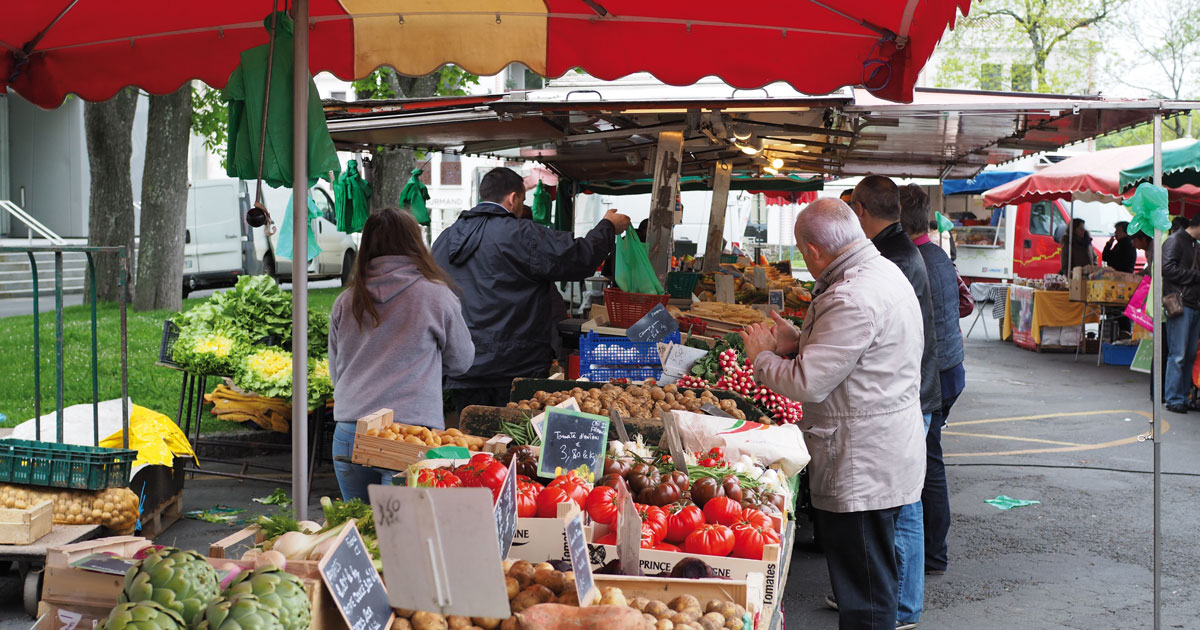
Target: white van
<point>219,246</point>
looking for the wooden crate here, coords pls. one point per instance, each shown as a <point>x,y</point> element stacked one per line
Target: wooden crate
<point>381,452</point>
<point>23,526</point>
<point>747,593</point>
<point>68,592</point>
<point>156,521</point>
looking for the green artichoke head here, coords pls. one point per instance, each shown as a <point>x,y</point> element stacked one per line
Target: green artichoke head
<point>279,591</point>
<point>147,615</point>
<point>239,611</point>
<point>181,581</point>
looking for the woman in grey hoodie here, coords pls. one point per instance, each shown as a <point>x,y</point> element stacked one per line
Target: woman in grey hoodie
<point>394,333</point>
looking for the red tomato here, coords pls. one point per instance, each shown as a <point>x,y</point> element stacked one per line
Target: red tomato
<point>574,485</point>
<point>682,521</point>
<point>527,494</point>
<point>608,539</point>
<point>602,505</point>
<point>649,540</point>
<point>485,458</point>
<point>492,476</point>
<point>755,518</point>
<point>710,540</point>
<point>662,546</point>
<point>548,500</point>
<point>749,540</point>
<point>655,516</point>
<point>722,511</point>
<point>437,478</point>
<point>651,535</point>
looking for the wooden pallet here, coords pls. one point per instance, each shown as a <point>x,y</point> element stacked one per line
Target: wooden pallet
<point>162,517</point>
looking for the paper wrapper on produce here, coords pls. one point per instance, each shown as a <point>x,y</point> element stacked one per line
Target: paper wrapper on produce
<point>768,444</point>
<point>677,361</point>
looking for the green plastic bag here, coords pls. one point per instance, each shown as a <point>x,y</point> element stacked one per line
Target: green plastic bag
<point>541,204</point>
<point>632,270</point>
<point>944,224</point>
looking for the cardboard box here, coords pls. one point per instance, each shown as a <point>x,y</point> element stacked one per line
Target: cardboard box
<point>542,539</point>
<point>70,594</point>
<point>23,526</point>
<point>383,452</point>
<point>1077,287</point>
<point>1111,291</point>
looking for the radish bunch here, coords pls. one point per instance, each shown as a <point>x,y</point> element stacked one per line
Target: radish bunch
<point>739,378</point>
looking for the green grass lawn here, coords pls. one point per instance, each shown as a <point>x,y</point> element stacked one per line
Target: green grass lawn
<point>150,386</point>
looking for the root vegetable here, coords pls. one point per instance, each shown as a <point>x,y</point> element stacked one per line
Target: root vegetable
<point>551,579</point>
<point>486,623</point>
<point>613,597</point>
<point>513,586</point>
<point>272,558</point>
<point>683,602</point>
<point>422,620</point>
<point>569,598</point>
<point>559,617</point>
<point>400,623</point>
<point>664,624</point>
<point>639,603</point>
<point>712,621</point>
<point>454,621</point>
<point>658,609</point>
<point>532,596</point>
<point>734,624</point>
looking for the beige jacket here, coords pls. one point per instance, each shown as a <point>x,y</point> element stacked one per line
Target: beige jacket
<point>858,373</point>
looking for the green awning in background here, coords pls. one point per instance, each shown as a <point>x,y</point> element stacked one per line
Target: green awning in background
<point>1180,167</point>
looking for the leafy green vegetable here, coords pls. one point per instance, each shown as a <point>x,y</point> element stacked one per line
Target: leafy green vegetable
<point>278,497</point>
<point>266,372</point>
<point>258,306</point>
<point>320,387</point>
<point>211,351</point>
<point>338,512</point>
<point>318,334</point>
<point>522,433</point>
<point>281,523</point>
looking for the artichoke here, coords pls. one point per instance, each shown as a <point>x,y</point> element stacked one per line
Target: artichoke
<point>279,591</point>
<point>182,581</point>
<point>239,611</point>
<point>148,615</point>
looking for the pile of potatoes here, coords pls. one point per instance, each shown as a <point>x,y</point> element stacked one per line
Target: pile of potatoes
<point>531,585</point>
<point>635,401</point>
<point>114,508</point>
<point>424,436</point>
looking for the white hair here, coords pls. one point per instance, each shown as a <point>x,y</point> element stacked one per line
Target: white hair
<point>829,224</point>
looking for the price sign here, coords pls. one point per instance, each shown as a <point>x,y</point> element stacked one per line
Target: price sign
<point>355,584</point>
<point>439,550</point>
<point>506,512</point>
<point>617,421</point>
<point>573,440</point>
<point>655,325</point>
<point>724,284</point>
<point>775,299</point>
<point>674,443</point>
<point>629,532</point>
<point>581,563</point>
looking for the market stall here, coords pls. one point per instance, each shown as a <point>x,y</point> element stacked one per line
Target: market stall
<point>1039,319</point>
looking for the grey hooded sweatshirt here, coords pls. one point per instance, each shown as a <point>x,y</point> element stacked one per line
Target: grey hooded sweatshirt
<point>398,364</point>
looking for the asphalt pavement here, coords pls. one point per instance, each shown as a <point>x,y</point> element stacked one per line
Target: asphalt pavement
<point>1042,427</point>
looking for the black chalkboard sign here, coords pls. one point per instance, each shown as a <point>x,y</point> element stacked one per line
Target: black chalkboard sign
<point>775,299</point>
<point>572,440</point>
<point>656,325</point>
<point>581,563</point>
<point>355,584</point>
<point>506,512</point>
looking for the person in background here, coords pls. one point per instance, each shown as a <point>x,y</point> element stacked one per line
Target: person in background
<point>856,366</point>
<point>504,267</point>
<point>1146,244</point>
<point>1119,252</point>
<point>1077,248</point>
<point>943,286</point>
<point>394,333</point>
<point>1178,223</point>
<point>877,205</point>
<point>1181,274</point>
<point>846,196</point>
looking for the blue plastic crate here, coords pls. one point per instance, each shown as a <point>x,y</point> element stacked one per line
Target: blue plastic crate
<point>1118,354</point>
<point>602,358</point>
<point>633,373</point>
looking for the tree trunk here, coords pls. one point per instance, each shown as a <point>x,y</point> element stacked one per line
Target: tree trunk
<point>108,127</point>
<point>390,168</point>
<point>164,202</point>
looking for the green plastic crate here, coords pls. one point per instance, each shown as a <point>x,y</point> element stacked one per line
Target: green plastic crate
<point>64,465</point>
<point>729,258</point>
<point>681,284</point>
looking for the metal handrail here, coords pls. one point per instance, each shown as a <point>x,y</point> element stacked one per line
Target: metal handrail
<point>33,224</point>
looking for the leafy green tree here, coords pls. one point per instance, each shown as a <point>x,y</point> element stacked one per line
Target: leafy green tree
<point>210,118</point>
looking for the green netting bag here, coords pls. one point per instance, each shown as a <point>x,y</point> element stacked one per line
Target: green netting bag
<point>633,271</point>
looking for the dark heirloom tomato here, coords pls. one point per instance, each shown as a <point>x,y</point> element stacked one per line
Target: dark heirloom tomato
<point>609,480</point>
<point>616,466</point>
<point>733,488</point>
<point>705,489</point>
<point>679,478</point>
<point>641,481</point>
<point>665,494</point>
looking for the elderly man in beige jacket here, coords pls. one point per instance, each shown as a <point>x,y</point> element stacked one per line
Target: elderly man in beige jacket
<point>856,366</point>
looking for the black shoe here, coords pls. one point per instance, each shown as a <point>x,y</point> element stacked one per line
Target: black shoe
<point>1177,408</point>
<point>935,572</point>
<point>1193,405</point>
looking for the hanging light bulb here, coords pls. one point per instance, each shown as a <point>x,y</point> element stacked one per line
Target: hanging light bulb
<point>777,163</point>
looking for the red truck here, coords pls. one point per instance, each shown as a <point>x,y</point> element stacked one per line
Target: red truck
<point>1025,242</point>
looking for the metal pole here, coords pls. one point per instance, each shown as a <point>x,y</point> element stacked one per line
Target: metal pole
<point>37,351</point>
<point>58,339</point>
<point>95,364</point>
<point>300,82</point>
<point>122,289</point>
<point>1070,234</point>
<point>1159,338</point>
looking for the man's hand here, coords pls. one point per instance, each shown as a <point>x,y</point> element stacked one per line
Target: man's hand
<point>758,337</point>
<point>787,338</point>
<point>620,221</point>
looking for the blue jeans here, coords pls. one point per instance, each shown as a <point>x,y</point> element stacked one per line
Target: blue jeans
<point>910,557</point>
<point>1182,332</point>
<point>353,479</point>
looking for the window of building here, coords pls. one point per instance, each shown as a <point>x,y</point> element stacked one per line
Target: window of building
<point>451,174</point>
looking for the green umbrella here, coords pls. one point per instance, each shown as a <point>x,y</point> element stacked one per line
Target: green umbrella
<point>414,196</point>
<point>350,195</point>
<point>247,92</point>
<point>1180,167</point>
<point>541,204</point>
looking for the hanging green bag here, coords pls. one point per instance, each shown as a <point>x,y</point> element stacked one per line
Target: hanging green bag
<point>633,271</point>
<point>541,204</point>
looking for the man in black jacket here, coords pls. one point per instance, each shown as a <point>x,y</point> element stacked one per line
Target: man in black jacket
<point>876,201</point>
<point>1181,274</point>
<point>1119,252</point>
<point>504,268</point>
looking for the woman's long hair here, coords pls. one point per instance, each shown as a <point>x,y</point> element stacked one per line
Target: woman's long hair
<point>389,232</point>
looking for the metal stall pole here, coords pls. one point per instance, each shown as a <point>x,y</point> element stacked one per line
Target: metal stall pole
<point>1157,370</point>
<point>300,264</point>
<point>58,338</point>
<point>37,351</point>
<point>95,364</point>
<point>123,287</point>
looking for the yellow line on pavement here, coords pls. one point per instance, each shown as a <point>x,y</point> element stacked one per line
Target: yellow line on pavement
<point>1044,416</point>
<point>1010,437</point>
<point>1166,426</point>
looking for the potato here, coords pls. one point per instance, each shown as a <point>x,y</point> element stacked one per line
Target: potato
<point>523,572</point>
<point>422,620</point>
<point>712,621</point>
<point>400,623</point>
<point>532,596</point>
<point>649,619</point>
<point>510,624</point>
<point>734,624</point>
<point>404,612</point>
<point>728,610</point>
<point>550,578</point>
<point>569,597</point>
<point>680,618</point>
<point>507,565</point>
<point>738,611</point>
<point>513,586</point>
<point>639,603</point>
<point>664,624</point>
<point>486,623</point>
<point>658,609</point>
<point>612,597</point>
<point>543,566</point>
<point>454,621</point>
<point>683,602</point>
<point>694,613</point>
<point>713,605</point>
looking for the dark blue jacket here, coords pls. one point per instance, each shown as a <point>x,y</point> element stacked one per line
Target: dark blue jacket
<point>943,293</point>
<point>895,246</point>
<point>504,267</point>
